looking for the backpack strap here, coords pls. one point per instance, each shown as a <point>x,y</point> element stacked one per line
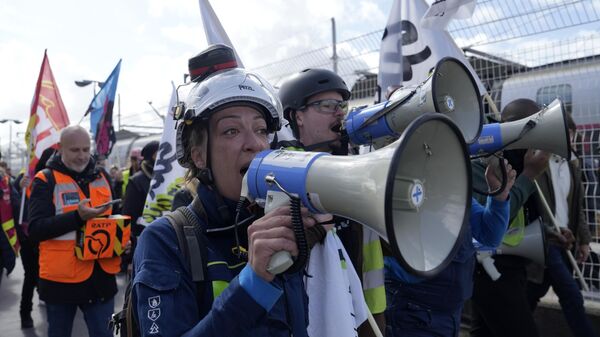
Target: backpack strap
<point>133,330</point>
<point>192,241</point>
<point>123,322</point>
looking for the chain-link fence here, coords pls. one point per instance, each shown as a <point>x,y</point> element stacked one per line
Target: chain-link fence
<point>520,49</point>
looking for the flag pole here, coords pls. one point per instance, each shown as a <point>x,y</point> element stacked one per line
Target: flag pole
<point>492,105</point>
<point>373,324</point>
<point>22,200</point>
<point>557,228</point>
<point>30,152</point>
<point>25,175</point>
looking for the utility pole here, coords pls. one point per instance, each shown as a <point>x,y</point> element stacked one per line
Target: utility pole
<point>334,57</point>
<point>119,111</point>
<point>10,123</point>
<point>9,145</point>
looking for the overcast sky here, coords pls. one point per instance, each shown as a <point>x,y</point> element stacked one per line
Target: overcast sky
<point>155,38</point>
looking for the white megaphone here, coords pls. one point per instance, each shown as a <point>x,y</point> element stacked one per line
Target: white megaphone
<point>532,247</point>
<point>449,90</point>
<point>415,192</point>
<point>545,130</point>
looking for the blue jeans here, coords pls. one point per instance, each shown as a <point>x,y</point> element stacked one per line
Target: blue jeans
<point>409,318</point>
<point>558,274</point>
<point>96,316</point>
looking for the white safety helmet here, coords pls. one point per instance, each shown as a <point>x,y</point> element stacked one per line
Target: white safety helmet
<point>226,87</point>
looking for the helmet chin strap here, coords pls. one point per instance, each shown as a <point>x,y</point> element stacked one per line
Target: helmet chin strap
<point>206,178</point>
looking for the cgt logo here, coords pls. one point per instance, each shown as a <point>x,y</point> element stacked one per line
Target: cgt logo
<point>410,35</point>
<point>98,242</point>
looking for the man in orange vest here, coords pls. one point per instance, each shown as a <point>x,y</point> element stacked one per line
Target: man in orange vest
<point>64,196</point>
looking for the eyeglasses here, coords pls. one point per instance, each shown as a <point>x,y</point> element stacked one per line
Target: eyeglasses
<point>328,106</point>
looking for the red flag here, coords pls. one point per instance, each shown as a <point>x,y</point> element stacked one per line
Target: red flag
<point>48,116</point>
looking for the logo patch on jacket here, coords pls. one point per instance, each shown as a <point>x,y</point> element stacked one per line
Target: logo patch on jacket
<point>154,314</point>
<point>154,301</point>
<point>70,198</point>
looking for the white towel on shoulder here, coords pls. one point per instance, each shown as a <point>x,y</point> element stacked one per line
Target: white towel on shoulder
<point>336,304</point>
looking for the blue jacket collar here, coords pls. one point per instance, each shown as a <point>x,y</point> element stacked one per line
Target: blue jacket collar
<point>209,201</point>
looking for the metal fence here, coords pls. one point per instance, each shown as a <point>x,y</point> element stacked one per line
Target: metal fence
<point>520,48</point>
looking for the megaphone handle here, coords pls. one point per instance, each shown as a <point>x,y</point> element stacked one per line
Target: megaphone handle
<point>489,267</point>
<point>584,285</point>
<point>281,260</point>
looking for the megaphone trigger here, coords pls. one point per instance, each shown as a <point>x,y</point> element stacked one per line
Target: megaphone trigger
<point>282,261</point>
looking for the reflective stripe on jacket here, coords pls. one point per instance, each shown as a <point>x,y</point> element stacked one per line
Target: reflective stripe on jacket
<point>516,230</point>
<point>373,272</point>
<point>58,262</point>
<point>6,214</point>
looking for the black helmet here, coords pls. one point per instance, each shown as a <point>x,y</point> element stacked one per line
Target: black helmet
<point>295,91</point>
<point>214,58</point>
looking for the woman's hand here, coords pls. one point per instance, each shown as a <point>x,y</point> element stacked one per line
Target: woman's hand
<point>273,233</point>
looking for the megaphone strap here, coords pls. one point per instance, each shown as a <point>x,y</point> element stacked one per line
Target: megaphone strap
<point>387,109</point>
<point>502,185</point>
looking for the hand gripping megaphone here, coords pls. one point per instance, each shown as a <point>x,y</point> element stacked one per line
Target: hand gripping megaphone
<point>415,192</point>
<point>545,130</point>
<point>532,247</point>
<point>449,90</point>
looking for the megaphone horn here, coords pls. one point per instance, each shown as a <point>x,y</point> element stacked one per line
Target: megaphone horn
<point>415,192</point>
<point>532,246</point>
<point>545,130</point>
<point>450,90</point>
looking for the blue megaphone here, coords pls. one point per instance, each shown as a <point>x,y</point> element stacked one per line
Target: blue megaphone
<point>545,130</point>
<point>449,90</point>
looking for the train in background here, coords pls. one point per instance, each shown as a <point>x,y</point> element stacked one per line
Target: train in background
<point>575,82</point>
<point>122,148</point>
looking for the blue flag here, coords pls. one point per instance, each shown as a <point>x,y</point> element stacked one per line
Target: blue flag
<point>101,111</point>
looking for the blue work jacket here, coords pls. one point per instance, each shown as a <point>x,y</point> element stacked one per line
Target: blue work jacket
<point>232,301</point>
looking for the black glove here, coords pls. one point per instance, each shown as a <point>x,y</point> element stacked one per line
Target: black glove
<point>8,259</point>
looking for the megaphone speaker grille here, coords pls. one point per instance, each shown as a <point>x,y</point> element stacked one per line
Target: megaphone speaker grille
<point>429,183</point>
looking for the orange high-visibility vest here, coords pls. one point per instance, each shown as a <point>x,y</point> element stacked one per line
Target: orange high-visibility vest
<point>58,262</point>
<point>28,188</point>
